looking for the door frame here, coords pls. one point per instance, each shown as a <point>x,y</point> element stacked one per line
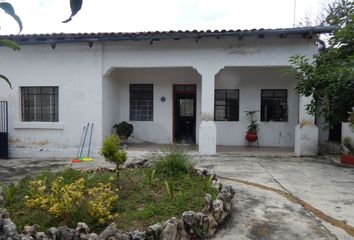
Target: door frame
<point>174,95</point>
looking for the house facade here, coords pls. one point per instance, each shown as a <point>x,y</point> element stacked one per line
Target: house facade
<point>174,87</point>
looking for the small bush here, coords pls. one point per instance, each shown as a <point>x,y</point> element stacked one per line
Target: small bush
<point>110,151</point>
<point>9,193</point>
<point>173,162</point>
<point>70,201</point>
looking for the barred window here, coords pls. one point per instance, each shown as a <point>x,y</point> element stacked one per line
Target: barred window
<point>141,102</point>
<point>274,105</point>
<point>39,104</point>
<point>226,105</point>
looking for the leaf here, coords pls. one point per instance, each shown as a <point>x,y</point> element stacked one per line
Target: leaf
<point>10,44</point>
<point>6,80</point>
<point>8,8</point>
<point>75,6</point>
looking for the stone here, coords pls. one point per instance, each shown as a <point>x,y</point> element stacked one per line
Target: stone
<point>212,224</point>
<point>52,233</point>
<point>110,231</point>
<point>41,236</point>
<point>218,211</point>
<point>4,214</point>
<point>138,235</point>
<point>154,231</point>
<point>216,184</point>
<point>9,228</point>
<point>82,228</point>
<point>208,172</point>
<point>93,236</point>
<point>189,218</point>
<point>136,163</point>
<point>122,236</point>
<point>170,230</point>
<point>181,231</point>
<point>65,233</point>
<point>208,204</point>
<point>30,230</point>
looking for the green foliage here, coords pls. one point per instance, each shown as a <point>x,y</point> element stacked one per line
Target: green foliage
<point>124,129</point>
<point>151,177</point>
<point>172,163</point>
<point>75,6</point>
<point>9,193</point>
<point>111,152</point>
<point>139,205</point>
<point>253,127</point>
<point>329,78</point>
<point>170,189</point>
<point>72,200</point>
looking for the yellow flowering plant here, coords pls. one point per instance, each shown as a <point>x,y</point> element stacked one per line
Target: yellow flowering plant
<point>68,200</point>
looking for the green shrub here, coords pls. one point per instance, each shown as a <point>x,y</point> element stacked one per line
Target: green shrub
<point>110,151</point>
<point>72,201</point>
<point>173,162</point>
<point>9,193</point>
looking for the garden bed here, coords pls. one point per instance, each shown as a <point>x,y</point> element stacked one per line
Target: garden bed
<point>145,202</point>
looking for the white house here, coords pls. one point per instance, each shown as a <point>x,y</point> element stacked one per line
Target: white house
<point>185,86</point>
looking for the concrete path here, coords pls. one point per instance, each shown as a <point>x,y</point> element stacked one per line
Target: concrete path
<point>262,214</point>
<point>258,213</point>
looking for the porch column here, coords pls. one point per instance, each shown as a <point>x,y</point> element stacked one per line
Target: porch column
<point>207,128</point>
<point>306,132</point>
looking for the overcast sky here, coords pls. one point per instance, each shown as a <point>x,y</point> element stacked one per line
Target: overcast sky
<point>45,16</point>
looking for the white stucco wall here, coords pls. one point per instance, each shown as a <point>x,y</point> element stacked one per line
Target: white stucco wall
<point>76,70</point>
<point>250,81</point>
<point>160,130</point>
<point>93,87</point>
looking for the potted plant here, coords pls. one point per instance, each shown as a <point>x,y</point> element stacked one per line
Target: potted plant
<point>124,130</point>
<point>347,156</point>
<point>253,128</point>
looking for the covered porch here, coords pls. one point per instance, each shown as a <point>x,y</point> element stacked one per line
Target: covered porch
<point>206,108</point>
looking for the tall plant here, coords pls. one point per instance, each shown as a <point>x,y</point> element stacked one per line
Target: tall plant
<point>329,77</point>
<point>111,152</point>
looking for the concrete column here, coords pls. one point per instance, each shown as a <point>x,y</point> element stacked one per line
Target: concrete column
<point>306,132</point>
<point>207,128</point>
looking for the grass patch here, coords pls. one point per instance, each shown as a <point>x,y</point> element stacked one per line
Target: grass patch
<point>143,199</point>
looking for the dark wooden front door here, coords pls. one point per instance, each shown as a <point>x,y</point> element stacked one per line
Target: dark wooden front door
<point>4,147</point>
<point>184,113</point>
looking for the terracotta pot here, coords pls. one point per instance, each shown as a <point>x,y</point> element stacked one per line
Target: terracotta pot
<point>251,137</point>
<point>347,159</point>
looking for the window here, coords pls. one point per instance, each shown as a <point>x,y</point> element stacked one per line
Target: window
<point>274,105</point>
<point>39,104</point>
<point>141,102</point>
<point>226,105</point>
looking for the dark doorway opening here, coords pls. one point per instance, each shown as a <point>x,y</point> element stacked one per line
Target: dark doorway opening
<point>4,135</point>
<point>184,113</point>
<point>335,133</point>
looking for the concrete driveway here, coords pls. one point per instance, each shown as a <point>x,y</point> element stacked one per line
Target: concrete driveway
<point>324,191</point>
<point>324,194</point>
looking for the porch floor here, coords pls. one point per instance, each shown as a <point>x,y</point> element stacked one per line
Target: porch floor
<point>220,149</point>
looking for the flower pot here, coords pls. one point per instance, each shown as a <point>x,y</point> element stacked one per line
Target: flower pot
<point>251,137</point>
<point>347,159</point>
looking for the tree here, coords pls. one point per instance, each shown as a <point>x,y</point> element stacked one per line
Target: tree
<point>75,6</point>
<point>329,76</point>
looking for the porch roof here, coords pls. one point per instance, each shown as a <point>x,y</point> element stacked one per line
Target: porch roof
<point>160,35</point>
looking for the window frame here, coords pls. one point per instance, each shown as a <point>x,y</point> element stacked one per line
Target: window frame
<point>274,98</point>
<point>53,107</point>
<point>227,105</point>
<point>147,117</point>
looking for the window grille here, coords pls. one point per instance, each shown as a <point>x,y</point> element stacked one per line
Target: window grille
<point>226,105</point>
<point>141,102</point>
<point>274,105</point>
<point>39,104</point>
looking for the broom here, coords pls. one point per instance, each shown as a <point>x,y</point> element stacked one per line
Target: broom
<point>77,160</point>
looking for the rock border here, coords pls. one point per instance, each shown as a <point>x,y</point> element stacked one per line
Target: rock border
<point>191,225</point>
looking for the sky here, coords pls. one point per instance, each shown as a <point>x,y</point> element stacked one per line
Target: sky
<point>46,16</point>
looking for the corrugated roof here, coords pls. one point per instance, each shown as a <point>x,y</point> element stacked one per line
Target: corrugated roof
<point>159,35</point>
